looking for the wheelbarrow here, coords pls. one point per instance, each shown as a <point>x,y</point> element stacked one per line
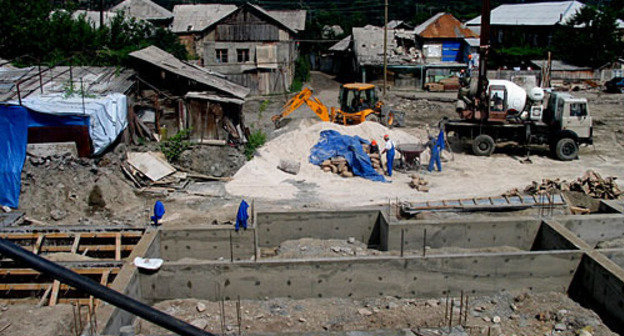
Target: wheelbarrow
<point>410,156</point>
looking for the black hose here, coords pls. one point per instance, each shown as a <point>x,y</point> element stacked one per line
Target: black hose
<point>104,293</point>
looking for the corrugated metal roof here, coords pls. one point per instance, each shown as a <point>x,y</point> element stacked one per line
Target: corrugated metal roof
<point>342,45</point>
<point>197,18</point>
<point>266,13</point>
<point>532,14</point>
<point>294,19</point>
<point>95,80</point>
<point>143,9</point>
<point>443,25</point>
<point>557,65</point>
<point>168,62</point>
<point>214,97</point>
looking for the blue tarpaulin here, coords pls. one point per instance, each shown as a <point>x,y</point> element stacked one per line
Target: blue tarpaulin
<point>13,139</point>
<point>332,144</point>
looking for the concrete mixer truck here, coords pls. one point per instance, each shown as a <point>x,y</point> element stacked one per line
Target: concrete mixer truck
<point>515,115</point>
<point>495,111</point>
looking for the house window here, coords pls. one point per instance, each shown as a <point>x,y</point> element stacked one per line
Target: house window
<point>222,55</point>
<point>242,55</point>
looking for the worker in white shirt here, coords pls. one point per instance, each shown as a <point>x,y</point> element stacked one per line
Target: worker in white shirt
<point>389,150</point>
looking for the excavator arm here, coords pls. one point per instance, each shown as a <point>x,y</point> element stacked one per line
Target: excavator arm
<point>303,97</point>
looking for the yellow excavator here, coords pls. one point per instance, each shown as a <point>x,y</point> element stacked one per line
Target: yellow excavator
<point>358,103</point>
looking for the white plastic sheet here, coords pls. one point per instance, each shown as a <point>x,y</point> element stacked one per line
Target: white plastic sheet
<point>107,114</point>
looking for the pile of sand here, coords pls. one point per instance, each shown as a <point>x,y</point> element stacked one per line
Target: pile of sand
<point>261,178</point>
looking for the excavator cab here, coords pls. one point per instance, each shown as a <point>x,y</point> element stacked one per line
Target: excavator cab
<point>356,97</point>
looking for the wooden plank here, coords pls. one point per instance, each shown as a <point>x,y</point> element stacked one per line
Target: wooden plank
<point>82,302</point>
<point>60,235</point>
<point>91,248</point>
<point>104,279</point>
<point>81,271</point>
<point>150,165</point>
<point>74,247</point>
<point>44,298</point>
<point>33,287</point>
<point>55,291</point>
<point>118,247</point>
<point>37,247</point>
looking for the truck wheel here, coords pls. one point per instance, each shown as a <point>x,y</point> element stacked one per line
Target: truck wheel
<point>483,145</point>
<point>566,149</point>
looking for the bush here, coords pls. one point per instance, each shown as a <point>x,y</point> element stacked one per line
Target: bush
<point>296,85</point>
<point>302,74</point>
<point>256,140</point>
<point>174,146</point>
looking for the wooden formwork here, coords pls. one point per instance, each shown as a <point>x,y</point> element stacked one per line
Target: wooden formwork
<point>105,251</point>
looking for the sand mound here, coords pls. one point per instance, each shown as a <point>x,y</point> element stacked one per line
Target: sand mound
<point>262,172</point>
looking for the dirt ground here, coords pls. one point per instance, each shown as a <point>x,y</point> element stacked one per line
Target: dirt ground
<point>522,314</point>
<point>43,321</point>
<point>334,248</point>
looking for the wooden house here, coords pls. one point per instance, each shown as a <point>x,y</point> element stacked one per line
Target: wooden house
<point>251,46</point>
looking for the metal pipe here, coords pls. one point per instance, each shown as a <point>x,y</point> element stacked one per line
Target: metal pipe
<point>484,50</point>
<point>71,278</point>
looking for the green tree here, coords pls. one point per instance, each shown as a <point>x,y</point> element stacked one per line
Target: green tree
<point>590,38</point>
<point>53,35</point>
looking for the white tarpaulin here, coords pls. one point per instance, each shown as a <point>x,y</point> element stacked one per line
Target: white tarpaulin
<point>107,114</point>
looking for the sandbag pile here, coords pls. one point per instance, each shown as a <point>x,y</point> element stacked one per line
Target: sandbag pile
<point>337,165</point>
<point>419,183</point>
<point>376,161</point>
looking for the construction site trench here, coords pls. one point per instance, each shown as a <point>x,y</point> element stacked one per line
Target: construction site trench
<point>414,258</point>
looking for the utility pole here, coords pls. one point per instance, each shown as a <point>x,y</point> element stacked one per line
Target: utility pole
<point>101,13</point>
<point>385,51</point>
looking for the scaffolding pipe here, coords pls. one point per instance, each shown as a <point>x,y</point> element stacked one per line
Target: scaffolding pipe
<point>69,277</point>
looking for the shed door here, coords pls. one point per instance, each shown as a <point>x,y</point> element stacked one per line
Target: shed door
<point>450,51</point>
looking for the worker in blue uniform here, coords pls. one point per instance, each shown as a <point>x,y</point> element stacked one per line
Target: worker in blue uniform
<point>390,151</point>
<point>436,145</point>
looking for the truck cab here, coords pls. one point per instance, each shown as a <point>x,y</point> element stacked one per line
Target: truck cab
<point>569,115</point>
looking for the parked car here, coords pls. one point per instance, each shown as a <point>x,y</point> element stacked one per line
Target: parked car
<point>616,84</point>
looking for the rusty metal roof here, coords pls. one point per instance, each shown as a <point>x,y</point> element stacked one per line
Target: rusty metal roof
<point>94,80</point>
<point>444,25</point>
<point>168,62</point>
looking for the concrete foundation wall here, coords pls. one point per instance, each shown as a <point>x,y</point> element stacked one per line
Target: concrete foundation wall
<point>599,284</point>
<point>595,228</point>
<point>363,277</point>
<point>277,227</point>
<point>553,236</point>
<point>207,243</point>
<point>615,255</point>
<point>518,232</point>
